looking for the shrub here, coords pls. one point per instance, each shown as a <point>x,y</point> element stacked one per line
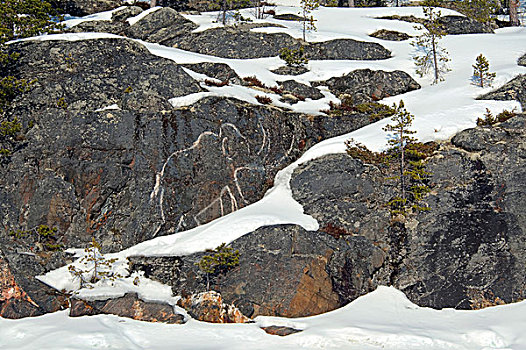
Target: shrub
<point>253,81</point>
<point>42,234</point>
<point>95,266</point>
<point>293,57</point>
<point>263,99</point>
<point>359,151</point>
<point>221,260</point>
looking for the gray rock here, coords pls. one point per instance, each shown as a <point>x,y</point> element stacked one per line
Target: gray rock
<point>522,61</point>
<point>131,77</point>
<point>163,26</point>
<point>129,305</point>
<point>450,24</point>
<point>365,85</point>
<point>456,253</point>
<point>301,90</point>
<point>286,70</point>
<point>125,13</point>
<point>288,17</point>
<point>390,35</point>
<point>220,71</point>
<point>285,271</point>
<point>346,49</point>
<point>513,90</point>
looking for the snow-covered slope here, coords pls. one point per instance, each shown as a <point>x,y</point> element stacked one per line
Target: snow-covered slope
<point>382,320</point>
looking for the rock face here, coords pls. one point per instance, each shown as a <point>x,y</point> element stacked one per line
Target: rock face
<point>20,294</point>
<point>130,305</point>
<point>365,85</point>
<point>473,235</point>
<point>124,165</point>
<point>130,77</point>
<point>512,90</point>
<point>463,25</point>
<point>167,27</point>
<point>209,307</point>
<point>390,35</point>
<point>450,24</point>
<point>522,61</point>
<point>85,7</point>
<point>284,271</point>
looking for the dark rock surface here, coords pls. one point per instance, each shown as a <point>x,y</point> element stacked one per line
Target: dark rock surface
<point>131,77</point>
<point>85,7</point>
<point>473,235</point>
<point>163,26</point>
<point>365,85</point>
<point>288,17</point>
<point>219,71</point>
<point>144,169</point>
<point>284,270</point>
<point>286,70</point>
<point>390,35</point>
<point>282,331</point>
<point>129,305</point>
<point>299,89</point>
<point>515,89</point>
<point>346,49</point>
<point>463,25</point>
<point>522,61</point>
<point>20,294</point>
<point>451,24</point>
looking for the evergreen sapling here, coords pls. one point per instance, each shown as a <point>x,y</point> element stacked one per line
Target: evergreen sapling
<point>481,74</point>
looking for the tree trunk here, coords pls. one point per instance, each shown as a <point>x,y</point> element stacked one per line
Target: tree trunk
<point>435,63</point>
<point>351,3</point>
<point>514,13</point>
<point>402,164</point>
<point>153,3</point>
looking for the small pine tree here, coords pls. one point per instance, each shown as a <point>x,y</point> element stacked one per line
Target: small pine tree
<point>401,138</point>
<point>307,6</point>
<point>96,267</point>
<point>481,73</point>
<point>433,57</point>
<point>223,259</point>
<point>293,57</point>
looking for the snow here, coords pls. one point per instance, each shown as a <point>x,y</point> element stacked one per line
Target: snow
<point>384,319</point>
<point>101,16</point>
<point>133,20</point>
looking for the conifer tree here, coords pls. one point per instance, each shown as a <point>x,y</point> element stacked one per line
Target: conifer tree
<point>307,6</point>
<point>401,138</point>
<point>433,57</point>
<point>479,10</point>
<point>18,19</point>
<point>481,73</point>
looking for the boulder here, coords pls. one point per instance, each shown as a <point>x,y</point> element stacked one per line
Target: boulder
<point>209,307</point>
<point>130,306</point>
<point>162,26</point>
<point>300,90</point>
<point>390,35</point>
<point>283,271</point>
<point>287,70</point>
<point>365,85</point>
<point>282,331</point>
<point>346,49</point>
<point>522,61</point>
<point>20,294</point>
<point>451,24</point>
<point>512,90</point>
<point>219,71</point>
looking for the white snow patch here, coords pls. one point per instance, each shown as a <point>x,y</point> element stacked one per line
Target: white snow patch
<point>133,20</point>
<point>101,16</point>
